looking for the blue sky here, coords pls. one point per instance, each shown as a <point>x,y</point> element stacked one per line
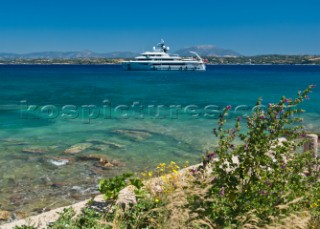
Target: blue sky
<point>249,27</point>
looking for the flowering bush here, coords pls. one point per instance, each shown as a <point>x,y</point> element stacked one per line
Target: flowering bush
<point>262,177</point>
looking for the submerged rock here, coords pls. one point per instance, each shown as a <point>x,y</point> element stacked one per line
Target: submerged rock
<point>54,147</point>
<point>113,145</point>
<point>77,148</point>
<point>35,150</point>
<point>100,147</point>
<point>136,135</point>
<point>100,159</point>
<point>21,215</point>
<point>14,142</point>
<point>5,215</point>
<point>16,199</point>
<point>100,143</point>
<point>93,157</point>
<point>107,165</point>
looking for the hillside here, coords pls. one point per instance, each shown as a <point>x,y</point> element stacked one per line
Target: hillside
<point>66,55</point>
<point>203,50</point>
<point>207,50</point>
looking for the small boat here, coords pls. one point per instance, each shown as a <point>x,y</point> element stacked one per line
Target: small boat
<point>160,60</point>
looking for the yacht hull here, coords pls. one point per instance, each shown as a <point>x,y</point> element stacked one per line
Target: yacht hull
<point>140,66</point>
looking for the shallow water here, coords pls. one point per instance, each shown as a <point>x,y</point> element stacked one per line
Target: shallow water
<point>138,119</point>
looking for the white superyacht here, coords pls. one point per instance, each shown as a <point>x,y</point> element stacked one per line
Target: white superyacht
<point>159,59</point>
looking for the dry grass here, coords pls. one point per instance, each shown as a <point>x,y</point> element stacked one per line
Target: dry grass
<point>181,217</point>
<point>294,221</point>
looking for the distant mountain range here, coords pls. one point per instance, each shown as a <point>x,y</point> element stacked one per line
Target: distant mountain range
<point>202,50</point>
<point>67,55</point>
<point>207,50</point>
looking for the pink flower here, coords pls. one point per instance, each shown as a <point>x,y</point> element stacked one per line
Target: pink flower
<point>221,193</point>
<point>211,156</point>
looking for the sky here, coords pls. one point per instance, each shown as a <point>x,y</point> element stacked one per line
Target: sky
<point>250,27</point>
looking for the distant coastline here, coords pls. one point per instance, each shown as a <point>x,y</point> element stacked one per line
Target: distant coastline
<point>214,60</point>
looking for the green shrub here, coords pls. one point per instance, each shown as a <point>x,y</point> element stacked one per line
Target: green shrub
<point>261,178</point>
<point>112,186</point>
<point>24,227</point>
<point>64,220</point>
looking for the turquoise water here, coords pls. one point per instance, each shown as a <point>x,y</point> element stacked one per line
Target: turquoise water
<point>137,119</point>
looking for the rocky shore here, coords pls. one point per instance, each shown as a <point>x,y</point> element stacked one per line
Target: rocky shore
<point>44,219</point>
<point>126,195</point>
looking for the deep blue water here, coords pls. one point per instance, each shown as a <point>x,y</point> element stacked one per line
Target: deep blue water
<point>90,103</point>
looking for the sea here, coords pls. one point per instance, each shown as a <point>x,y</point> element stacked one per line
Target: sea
<point>65,127</point>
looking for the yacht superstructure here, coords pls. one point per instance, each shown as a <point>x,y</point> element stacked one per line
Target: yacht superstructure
<point>159,59</point>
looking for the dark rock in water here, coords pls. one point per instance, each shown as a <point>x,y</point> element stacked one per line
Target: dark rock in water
<point>38,210</point>
<point>17,199</point>
<point>77,148</point>
<point>93,157</point>
<point>5,215</point>
<point>55,186</point>
<point>101,160</point>
<point>35,150</point>
<point>100,147</point>
<point>136,135</point>
<point>14,142</point>
<point>58,185</point>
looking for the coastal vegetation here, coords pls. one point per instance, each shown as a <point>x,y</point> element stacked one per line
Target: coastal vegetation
<point>266,59</point>
<point>254,178</point>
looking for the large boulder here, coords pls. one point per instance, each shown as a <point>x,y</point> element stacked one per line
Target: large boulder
<point>127,197</point>
<point>311,144</point>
